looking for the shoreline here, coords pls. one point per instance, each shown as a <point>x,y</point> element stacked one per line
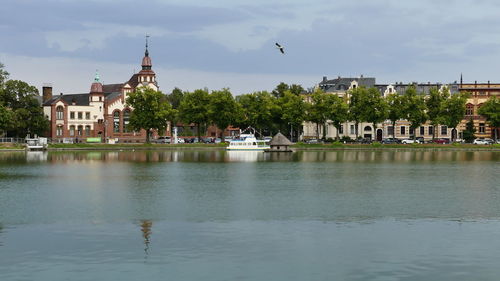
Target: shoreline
<point>296,147</point>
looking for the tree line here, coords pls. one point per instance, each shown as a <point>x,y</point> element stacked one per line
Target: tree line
<point>20,109</point>
<point>287,107</point>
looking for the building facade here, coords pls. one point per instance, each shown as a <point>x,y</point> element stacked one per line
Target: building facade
<point>341,86</point>
<point>101,113</point>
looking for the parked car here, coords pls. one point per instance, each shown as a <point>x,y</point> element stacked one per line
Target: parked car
<point>489,141</point>
<point>217,140</point>
<point>162,140</point>
<point>441,141</point>
<point>364,141</point>
<point>180,140</point>
<point>391,141</point>
<point>480,141</point>
<point>408,141</point>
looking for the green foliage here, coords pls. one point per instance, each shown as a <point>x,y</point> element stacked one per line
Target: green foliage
<point>6,120</point>
<point>376,108</point>
<point>194,108</point>
<point>491,111</point>
<point>25,114</point>
<point>357,98</point>
<point>257,110</point>
<point>376,144</point>
<point>223,109</point>
<point>346,139</point>
<point>151,110</point>
<point>435,104</point>
<point>468,133</point>
<point>280,90</point>
<point>4,75</point>
<point>337,110</point>
<point>454,110</point>
<point>414,108</point>
<point>318,109</point>
<point>396,110</point>
<point>293,110</point>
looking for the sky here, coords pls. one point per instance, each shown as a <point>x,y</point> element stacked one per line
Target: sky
<point>228,43</point>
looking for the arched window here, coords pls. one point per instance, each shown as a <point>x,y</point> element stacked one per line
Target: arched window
<point>87,131</point>
<point>126,120</point>
<point>80,131</point>
<point>368,129</point>
<point>72,130</point>
<point>116,122</point>
<point>59,113</point>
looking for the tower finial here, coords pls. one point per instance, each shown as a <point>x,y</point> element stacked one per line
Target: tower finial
<point>461,79</point>
<point>147,52</point>
<point>96,79</point>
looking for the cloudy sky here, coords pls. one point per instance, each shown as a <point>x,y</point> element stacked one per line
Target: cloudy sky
<point>230,43</point>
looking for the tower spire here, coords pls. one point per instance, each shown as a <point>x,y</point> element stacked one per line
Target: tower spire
<point>97,78</point>
<point>461,79</point>
<point>147,52</point>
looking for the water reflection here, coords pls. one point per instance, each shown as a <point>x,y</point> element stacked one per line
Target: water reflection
<point>14,158</point>
<point>146,226</point>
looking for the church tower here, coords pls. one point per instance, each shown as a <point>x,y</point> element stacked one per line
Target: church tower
<point>96,93</point>
<point>147,77</point>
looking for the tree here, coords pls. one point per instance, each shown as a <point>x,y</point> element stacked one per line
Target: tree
<point>414,108</point>
<point>435,106</point>
<point>337,111</point>
<point>26,112</point>
<point>454,111</point>
<point>468,133</point>
<point>376,108</point>
<point>317,110</point>
<point>395,103</point>
<point>491,111</point>
<point>194,109</point>
<point>6,120</point>
<point>258,110</point>
<point>293,110</point>
<point>175,99</point>
<point>4,75</point>
<point>222,109</point>
<point>280,90</point>
<point>357,106</point>
<point>151,111</point>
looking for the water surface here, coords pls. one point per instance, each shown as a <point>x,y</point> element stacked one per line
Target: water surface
<point>216,215</point>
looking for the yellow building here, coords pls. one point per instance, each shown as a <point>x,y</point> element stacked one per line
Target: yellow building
<point>480,93</point>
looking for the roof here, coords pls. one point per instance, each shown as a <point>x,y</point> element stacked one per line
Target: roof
<point>77,99</point>
<point>280,139</point>
<point>343,84</point>
<point>112,88</point>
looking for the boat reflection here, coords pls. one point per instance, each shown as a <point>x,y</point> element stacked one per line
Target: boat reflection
<point>245,156</point>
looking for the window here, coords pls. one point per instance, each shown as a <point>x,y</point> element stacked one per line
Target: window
<point>469,110</point>
<point>87,131</point>
<point>80,115</point>
<point>126,120</point>
<point>422,130</point>
<point>87,115</point>
<point>368,129</point>
<point>71,130</point>
<point>59,131</point>
<point>412,131</point>
<point>116,122</point>
<point>352,130</point>
<point>444,130</point>
<point>100,98</point>
<point>390,130</point>
<point>72,115</point>
<point>341,129</point>
<point>80,130</point>
<point>403,130</point>
<point>60,113</point>
<point>482,128</point>
<point>431,130</point>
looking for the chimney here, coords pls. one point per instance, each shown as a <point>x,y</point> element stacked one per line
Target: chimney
<point>46,92</point>
<point>324,78</point>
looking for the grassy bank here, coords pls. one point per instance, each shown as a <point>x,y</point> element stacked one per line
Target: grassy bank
<point>339,145</point>
<point>138,146</point>
<point>7,146</point>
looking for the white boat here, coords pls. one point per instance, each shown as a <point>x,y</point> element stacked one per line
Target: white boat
<point>36,143</point>
<point>248,142</point>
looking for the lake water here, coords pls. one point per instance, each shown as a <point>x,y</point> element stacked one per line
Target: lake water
<point>216,215</point>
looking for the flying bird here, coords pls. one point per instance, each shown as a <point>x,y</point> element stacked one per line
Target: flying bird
<point>282,50</point>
